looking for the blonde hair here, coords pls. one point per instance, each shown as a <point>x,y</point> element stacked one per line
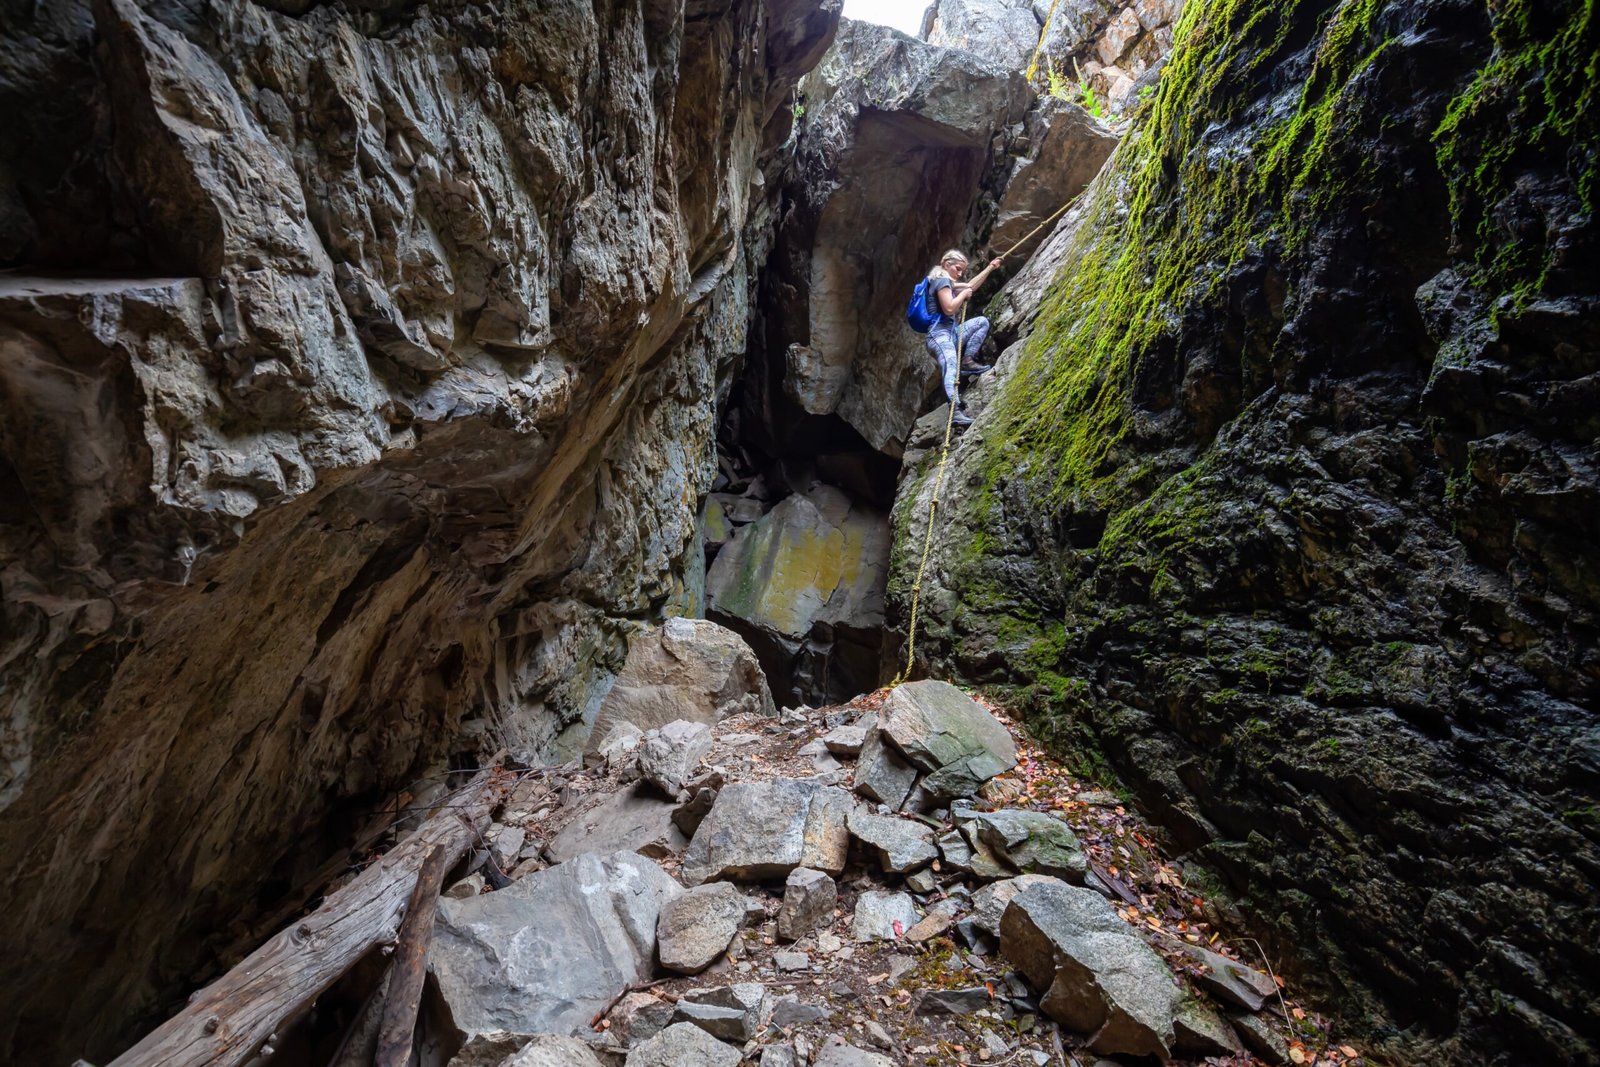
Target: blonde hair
<point>955,255</point>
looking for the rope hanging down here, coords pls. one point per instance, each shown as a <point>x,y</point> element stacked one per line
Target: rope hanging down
<point>944,456</point>
<point>933,509</point>
<point>1033,64</point>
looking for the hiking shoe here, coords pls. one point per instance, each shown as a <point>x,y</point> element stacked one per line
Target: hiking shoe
<point>972,370</point>
<point>961,418</point>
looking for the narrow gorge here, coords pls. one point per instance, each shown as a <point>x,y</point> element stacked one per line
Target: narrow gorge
<point>493,427</point>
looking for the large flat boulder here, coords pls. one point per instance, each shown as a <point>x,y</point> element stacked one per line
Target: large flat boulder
<point>547,952</point>
<point>762,830</point>
<point>690,669</point>
<point>633,820</point>
<point>1098,976</point>
<point>948,735</point>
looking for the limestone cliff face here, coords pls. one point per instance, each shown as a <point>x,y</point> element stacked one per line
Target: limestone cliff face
<point>357,376</point>
<point>1284,502</point>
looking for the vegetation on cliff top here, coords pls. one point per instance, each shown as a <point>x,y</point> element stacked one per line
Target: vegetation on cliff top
<point>1200,183</point>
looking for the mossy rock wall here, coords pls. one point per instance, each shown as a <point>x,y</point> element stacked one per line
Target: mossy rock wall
<point>1285,507</point>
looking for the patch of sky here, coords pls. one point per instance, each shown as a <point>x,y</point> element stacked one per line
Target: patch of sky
<point>903,15</point>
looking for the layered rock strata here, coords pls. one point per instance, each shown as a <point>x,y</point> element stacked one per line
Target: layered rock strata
<point>358,382</point>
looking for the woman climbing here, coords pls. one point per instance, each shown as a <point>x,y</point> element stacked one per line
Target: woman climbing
<point>956,347</point>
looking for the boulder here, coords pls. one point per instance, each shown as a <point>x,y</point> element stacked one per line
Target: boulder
<point>618,745</point>
<point>881,773</point>
<point>900,845</point>
<point>1033,842</point>
<point>1261,1038</point>
<point>955,851</point>
<point>846,740</point>
<point>692,812</point>
<point>839,1053</point>
<point>779,1056</point>
<point>632,820</point>
<point>698,926</point>
<point>877,912</point>
<point>930,926</point>
<point>548,951</point>
<point>989,903</point>
<point>809,898</point>
<point>640,1016</point>
<point>804,582</point>
<point>1068,148</point>
<point>953,1001</point>
<point>760,830</point>
<point>1202,1032</point>
<point>689,669</point>
<point>1099,977</point>
<point>981,862</point>
<point>502,1049</point>
<point>789,1011</point>
<point>942,731</point>
<point>668,758</point>
<point>1003,32</point>
<point>1232,982</point>
<point>683,1045</point>
<point>728,1013</point>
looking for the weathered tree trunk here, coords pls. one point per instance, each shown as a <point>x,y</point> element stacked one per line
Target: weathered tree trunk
<point>234,1016</point>
<point>405,982</point>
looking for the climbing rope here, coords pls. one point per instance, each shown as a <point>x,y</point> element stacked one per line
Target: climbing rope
<point>933,507</point>
<point>1033,64</point>
<point>1062,210</point>
<point>944,455</point>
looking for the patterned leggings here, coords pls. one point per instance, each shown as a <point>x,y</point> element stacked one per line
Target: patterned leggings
<point>942,342</point>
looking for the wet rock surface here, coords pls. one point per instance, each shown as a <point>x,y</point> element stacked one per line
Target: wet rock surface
<point>1279,588</point>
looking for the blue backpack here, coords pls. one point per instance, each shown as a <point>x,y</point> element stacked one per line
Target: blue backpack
<point>918,317</point>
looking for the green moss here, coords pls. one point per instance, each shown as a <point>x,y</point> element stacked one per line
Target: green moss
<point>1175,215</point>
<point>1532,106</point>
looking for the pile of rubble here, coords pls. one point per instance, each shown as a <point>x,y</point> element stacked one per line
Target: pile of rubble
<point>826,887</point>
<point>714,884</point>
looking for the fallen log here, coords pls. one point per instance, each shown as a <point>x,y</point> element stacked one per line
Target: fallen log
<point>410,955</point>
<point>229,1021</point>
